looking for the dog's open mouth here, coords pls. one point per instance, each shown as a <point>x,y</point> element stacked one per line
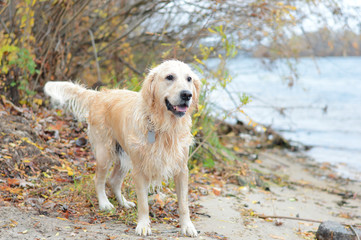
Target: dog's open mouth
<point>178,110</point>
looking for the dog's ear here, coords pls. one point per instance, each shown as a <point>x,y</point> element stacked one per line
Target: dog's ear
<point>147,91</point>
<point>196,92</point>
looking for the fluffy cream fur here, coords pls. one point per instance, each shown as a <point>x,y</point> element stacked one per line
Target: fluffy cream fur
<point>126,117</point>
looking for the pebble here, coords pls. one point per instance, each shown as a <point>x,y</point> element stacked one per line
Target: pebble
<point>330,230</point>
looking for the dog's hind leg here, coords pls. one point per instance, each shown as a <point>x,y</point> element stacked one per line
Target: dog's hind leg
<point>120,170</point>
<point>104,160</point>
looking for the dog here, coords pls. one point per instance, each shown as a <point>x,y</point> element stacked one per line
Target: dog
<point>146,131</point>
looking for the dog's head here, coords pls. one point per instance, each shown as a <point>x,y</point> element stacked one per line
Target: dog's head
<point>172,86</point>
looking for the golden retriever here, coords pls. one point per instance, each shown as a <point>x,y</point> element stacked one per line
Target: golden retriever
<point>146,131</point>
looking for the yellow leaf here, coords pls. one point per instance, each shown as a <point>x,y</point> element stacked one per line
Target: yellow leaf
<point>38,101</point>
<point>5,69</point>
<point>46,175</point>
<point>70,171</point>
<point>14,222</point>
<point>211,30</point>
<point>291,7</point>
<point>25,139</point>
<point>199,61</point>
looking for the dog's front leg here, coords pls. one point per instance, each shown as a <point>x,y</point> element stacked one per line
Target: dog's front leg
<point>181,186</point>
<point>141,188</point>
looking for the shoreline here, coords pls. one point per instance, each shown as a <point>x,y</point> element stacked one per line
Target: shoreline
<point>320,109</point>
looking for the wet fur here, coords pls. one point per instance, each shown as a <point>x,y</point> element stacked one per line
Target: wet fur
<point>119,121</point>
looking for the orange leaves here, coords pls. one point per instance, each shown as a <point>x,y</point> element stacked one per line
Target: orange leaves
<point>58,125</point>
<point>11,190</point>
<point>13,181</point>
<point>12,224</point>
<point>345,215</point>
<point>277,237</point>
<point>159,201</point>
<point>216,191</point>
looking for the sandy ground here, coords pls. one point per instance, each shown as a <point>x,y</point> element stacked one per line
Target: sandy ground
<point>233,214</point>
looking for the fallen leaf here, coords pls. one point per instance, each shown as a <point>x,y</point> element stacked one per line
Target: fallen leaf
<point>278,222</point>
<point>25,184</point>
<point>13,181</point>
<point>216,191</point>
<point>276,237</point>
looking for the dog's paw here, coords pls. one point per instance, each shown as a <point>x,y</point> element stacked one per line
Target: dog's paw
<point>126,204</point>
<point>143,228</point>
<point>189,230</point>
<point>105,205</point>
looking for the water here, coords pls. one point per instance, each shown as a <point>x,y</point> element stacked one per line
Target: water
<point>322,109</point>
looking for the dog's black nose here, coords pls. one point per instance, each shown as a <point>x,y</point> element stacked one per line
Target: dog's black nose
<point>185,95</point>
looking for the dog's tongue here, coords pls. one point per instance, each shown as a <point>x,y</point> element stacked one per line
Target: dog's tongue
<point>181,108</point>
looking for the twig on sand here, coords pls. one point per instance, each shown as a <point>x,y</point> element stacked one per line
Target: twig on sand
<point>310,220</point>
<point>292,218</point>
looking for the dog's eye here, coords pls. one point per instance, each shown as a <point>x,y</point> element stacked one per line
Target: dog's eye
<point>169,77</point>
<point>189,79</point>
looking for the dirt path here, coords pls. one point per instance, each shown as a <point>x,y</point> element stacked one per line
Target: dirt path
<point>302,191</point>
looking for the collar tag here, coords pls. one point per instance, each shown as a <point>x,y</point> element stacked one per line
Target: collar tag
<point>151,136</point>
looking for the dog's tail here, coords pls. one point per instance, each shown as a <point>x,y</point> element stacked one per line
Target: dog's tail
<point>70,96</point>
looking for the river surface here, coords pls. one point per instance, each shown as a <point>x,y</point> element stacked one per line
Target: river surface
<point>322,109</point>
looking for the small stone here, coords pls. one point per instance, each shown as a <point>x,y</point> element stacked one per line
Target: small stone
<point>81,142</point>
<point>253,157</point>
<point>203,191</point>
<point>241,181</point>
<point>330,230</point>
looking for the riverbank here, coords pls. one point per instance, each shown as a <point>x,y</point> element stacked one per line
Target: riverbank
<point>294,187</point>
<point>47,192</point>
